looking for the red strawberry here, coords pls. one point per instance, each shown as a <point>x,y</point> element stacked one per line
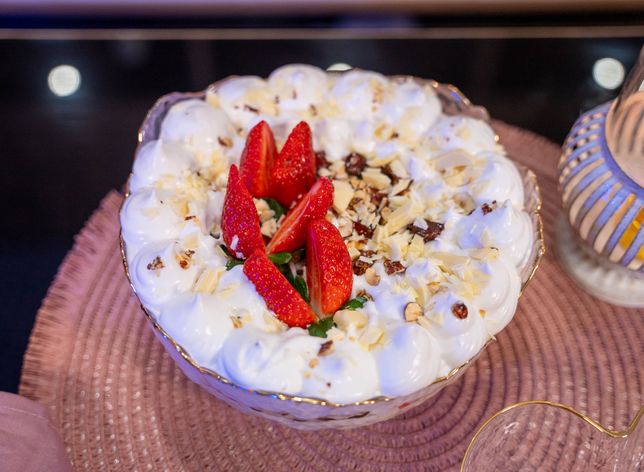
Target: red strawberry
<point>257,159</point>
<point>239,218</point>
<point>329,274</point>
<point>292,233</point>
<point>279,295</point>
<point>294,169</point>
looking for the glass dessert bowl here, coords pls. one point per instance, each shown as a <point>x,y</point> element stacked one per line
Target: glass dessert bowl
<point>399,238</point>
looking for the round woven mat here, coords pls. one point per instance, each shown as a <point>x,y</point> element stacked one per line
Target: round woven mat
<point>122,404</point>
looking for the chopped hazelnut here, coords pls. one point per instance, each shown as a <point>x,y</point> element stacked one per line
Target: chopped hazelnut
<point>431,232</point>
<point>156,264</point>
<point>371,276</point>
<point>225,141</point>
<point>387,170</point>
<point>363,230</point>
<point>313,363</point>
<point>354,201</point>
<point>355,163</point>
<point>487,208</point>
<point>360,266</point>
<point>413,311</point>
<point>347,318</point>
<point>378,197</point>
<point>250,109</point>
<point>325,348</point>
<point>184,258</point>
<point>459,310</point>
<point>320,160</point>
<point>393,267</point>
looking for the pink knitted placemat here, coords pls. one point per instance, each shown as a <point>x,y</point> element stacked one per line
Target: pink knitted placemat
<point>121,403</point>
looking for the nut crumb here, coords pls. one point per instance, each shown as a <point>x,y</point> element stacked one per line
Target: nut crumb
<point>459,310</point>
<point>156,264</point>
<point>184,258</point>
<point>387,170</point>
<point>313,363</point>
<point>360,266</point>
<point>393,267</point>
<point>237,323</point>
<point>413,311</point>
<point>325,348</point>
<point>371,276</point>
<point>355,163</point>
<point>225,141</point>
<point>251,109</point>
<point>363,230</point>
<point>430,233</point>
<point>321,160</point>
<point>363,293</point>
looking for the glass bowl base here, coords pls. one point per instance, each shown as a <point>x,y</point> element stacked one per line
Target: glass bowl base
<point>612,285</point>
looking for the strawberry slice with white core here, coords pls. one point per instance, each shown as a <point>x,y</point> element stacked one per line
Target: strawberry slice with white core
<point>239,219</point>
<point>277,292</point>
<point>257,160</point>
<point>329,273</point>
<point>291,235</point>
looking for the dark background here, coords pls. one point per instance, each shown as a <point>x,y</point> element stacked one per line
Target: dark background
<point>60,155</point>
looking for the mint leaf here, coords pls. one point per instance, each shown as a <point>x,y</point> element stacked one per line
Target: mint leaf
<point>295,280</point>
<point>286,271</point>
<point>232,263</point>
<point>280,258</point>
<point>298,255</point>
<point>320,327</point>
<point>302,289</point>
<point>274,205</point>
<point>354,303</point>
<point>226,251</point>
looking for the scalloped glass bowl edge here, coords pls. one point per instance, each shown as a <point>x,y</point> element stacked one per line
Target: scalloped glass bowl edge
<point>314,413</point>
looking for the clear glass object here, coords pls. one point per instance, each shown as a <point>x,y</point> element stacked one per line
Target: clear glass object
<point>625,138</point>
<point>600,238</point>
<point>540,435</point>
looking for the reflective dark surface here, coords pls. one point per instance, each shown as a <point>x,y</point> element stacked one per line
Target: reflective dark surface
<point>60,155</point>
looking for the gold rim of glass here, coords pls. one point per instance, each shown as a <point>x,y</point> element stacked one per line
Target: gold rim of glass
<point>615,434</point>
<point>455,103</point>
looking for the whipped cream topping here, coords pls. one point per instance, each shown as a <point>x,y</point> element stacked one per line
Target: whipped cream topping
<point>439,269</point>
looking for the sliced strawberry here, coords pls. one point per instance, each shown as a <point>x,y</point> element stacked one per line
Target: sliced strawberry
<point>294,169</point>
<point>239,220</point>
<point>257,159</point>
<point>329,274</point>
<point>292,233</point>
<point>279,295</point>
